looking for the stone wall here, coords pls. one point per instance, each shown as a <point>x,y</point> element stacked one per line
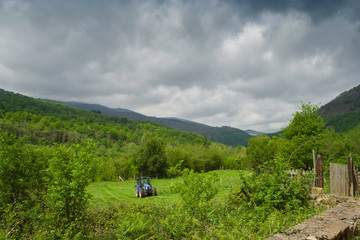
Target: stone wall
<point>338,223</point>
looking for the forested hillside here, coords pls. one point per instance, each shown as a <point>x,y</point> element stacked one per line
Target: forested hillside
<point>225,135</point>
<point>45,123</point>
<point>343,113</point>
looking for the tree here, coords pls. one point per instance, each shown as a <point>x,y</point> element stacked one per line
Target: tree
<point>261,149</point>
<point>69,174</point>
<point>337,147</point>
<point>151,157</point>
<point>304,132</point>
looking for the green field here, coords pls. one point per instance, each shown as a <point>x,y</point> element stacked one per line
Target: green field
<point>115,192</point>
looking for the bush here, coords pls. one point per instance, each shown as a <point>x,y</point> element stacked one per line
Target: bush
<point>196,188</point>
<point>70,173</point>
<point>271,190</point>
<point>22,168</point>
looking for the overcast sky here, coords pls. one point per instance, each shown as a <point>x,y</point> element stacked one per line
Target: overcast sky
<point>247,64</point>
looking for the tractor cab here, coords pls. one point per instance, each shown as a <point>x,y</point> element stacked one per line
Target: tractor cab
<point>144,182</point>
<point>144,188</point>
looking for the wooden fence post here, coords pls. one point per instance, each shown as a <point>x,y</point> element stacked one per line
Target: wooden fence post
<point>356,182</point>
<point>351,176</point>
<point>314,160</point>
<point>319,182</point>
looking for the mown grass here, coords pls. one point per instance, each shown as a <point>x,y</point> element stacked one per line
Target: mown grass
<point>115,192</point>
<point>125,216</point>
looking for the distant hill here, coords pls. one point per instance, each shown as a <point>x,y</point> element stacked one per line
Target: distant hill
<point>226,135</point>
<point>253,132</point>
<point>343,113</point>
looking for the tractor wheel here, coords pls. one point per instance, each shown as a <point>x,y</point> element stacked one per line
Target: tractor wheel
<point>136,192</point>
<point>141,193</point>
<point>154,193</point>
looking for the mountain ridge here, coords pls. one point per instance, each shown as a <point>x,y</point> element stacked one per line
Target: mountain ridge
<point>225,134</point>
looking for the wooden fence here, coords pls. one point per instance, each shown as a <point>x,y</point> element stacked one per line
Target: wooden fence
<point>294,173</point>
<point>339,179</point>
<point>317,175</point>
<point>344,179</point>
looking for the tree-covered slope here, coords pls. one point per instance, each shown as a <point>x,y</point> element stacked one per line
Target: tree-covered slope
<point>225,135</point>
<point>44,120</point>
<point>343,113</point>
<point>346,102</point>
<point>128,148</point>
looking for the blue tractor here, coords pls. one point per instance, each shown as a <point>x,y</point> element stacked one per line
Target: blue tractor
<point>144,188</point>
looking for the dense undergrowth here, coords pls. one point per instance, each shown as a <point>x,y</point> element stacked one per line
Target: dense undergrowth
<point>215,220</point>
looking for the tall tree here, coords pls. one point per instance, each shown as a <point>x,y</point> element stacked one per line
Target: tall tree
<point>304,132</point>
<point>151,158</point>
<point>261,149</point>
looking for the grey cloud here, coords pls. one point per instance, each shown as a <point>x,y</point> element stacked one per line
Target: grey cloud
<point>247,64</point>
<point>317,10</point>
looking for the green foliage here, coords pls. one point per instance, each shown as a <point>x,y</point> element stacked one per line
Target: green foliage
<point>271,189</point>
<point>151,158</point>
<point>43,190</point>
<point>21,171</point>
<point>337,147</point>
<point>232,158</point>
<point>305,123</point>
<point>226,135</point>
<point>69,174</point>
<point>202,157</point>
<point>343,113</point>
<point>176,170</point>
<point>344,122</point>
<point>305,133</point>
<point>271,200</point>
<point>197,188</point>
<point>22,188</point>
<point>261,149</point>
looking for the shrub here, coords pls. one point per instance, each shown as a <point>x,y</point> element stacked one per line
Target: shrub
<point>22,187</point>
<point>271,190</point>
<point>196,188</point>
<point>67,198</point>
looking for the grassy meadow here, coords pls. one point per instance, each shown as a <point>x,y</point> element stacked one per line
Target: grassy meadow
<point>115,192</point>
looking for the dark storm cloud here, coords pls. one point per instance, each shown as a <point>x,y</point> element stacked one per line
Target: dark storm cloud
<point>317,10</point>
<point>246,64</point>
